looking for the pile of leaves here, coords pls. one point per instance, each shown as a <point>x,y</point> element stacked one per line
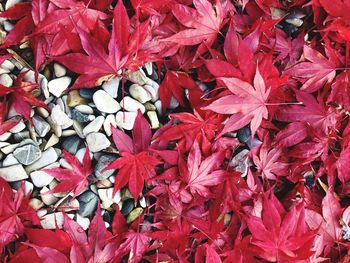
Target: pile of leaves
<point>267,77</point>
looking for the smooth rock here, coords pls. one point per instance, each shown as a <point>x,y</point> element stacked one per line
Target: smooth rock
<point>81,117</point>
<point>143,202</point>
<point>4,144</point>
<point>155,86</point>
<point>28,187</point>
<point>125,120</point>
<point>102,163</point>
<point>44,85</point>
<point>18,128</point>
<point>71,144</point>
<point>66,108</point>
<point>27,153</point>
<point>68,205</point>
<point>94,126</point>
<point>41,178</point>
<point>42,112</point>
<point>6,80</point>
<point>138,77</point>
<point>150,107</point>
<point>106,201</point>
<point>9,149</point>
<point>80,154</point>
<point>47,157</point>
<point>244,135</point>
<point>5,136</point>
<point>152,92</point>
<point>59,85</point>
<point>105,102</point>
<point>75,99</point>
<point>152,115</point>
<point>132,105</point>
<point>84,109</point>
<point>110,120</point>
<point>106,195</point>
<point>149,68</point>
<point>41,126</point>
<point>53,140</point>
<point>21,136</point>
<point>158,105</point>
<point>87,93</point>
<point>173,104</point>
<point>128,206</point>
<point>68,133</point>
<point>97,141</point>
<point>88,203</point>
<point>9,160</point>
<point>51,220</point>
<point>139,93</point>
<point>8,26</point>
<point>83,222</point>
<point>11,3</point>
<point>35,203</point>
<point>60,70</point>
<point>57,129</point>
<point>105,183</point>
<point>13,173</point>
<point>117,197</point>
<point>112,86</point>
<point>240,162</point>
<point>134,214</point>
<point>60,118</point>
<point>78,128</point>
<point>41,212</point>
<point>6,67</point>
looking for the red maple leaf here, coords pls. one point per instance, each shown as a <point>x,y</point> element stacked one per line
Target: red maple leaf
<point>15,213</point>
<point>6,125</point>
<point>312,111</point>
<point>248,104</point>
<point>174,84</point>
<point>327,223</point>
<point>75,179</point>
<point>136,244</point>
<point>203,23</point>
<point>280,236</point>
<point>202,126</point>
<point>46,253</point>
<point>21,98</point>
<point>98,64</point>
<point>24,25</point>
<point>315,72</point>
<point>136,163</point>
<point>200,174</point>
<point>94,247</point>
<point>269,163</point>
<point>340,90</point>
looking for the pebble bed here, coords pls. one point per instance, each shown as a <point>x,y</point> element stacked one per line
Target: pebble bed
<point>77,118</point>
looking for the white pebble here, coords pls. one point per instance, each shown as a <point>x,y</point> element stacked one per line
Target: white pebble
<point>132,105</point>
<point>104,102</point>
<point>59,85</point>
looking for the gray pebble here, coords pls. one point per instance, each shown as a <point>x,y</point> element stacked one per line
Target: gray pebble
<point>71,144</point>
<point>86,93</point>
<point>128,206</point>
<point>41,126</point>
<point>88,203</point>
<point>81,117</point>
<point>27,152</point>
<point>102,164</point>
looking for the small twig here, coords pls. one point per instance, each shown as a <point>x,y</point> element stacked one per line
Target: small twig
<point>19,59</point>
